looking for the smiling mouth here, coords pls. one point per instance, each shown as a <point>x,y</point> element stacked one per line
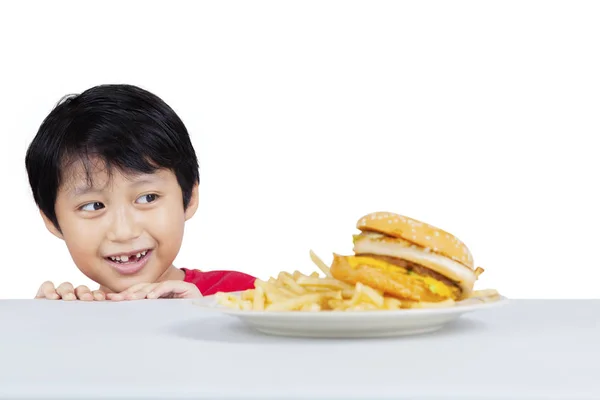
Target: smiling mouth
<point>128,264</point>
<point>125,259</point>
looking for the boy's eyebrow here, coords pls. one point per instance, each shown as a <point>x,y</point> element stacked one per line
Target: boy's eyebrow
<point>145,180</point>
<point>81,190</point>
<point>86,189</point>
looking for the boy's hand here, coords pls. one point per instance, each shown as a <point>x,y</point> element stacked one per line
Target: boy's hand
<point>65,291</point>
<point>164,290</point>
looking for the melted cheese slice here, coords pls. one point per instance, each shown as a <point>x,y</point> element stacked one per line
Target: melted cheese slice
<point>433,285</point>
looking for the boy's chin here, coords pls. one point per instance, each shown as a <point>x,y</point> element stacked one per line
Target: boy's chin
<point>122,283</point>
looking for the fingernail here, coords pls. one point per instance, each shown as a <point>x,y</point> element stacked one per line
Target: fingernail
<point>151,295</point>
<point>69,296</point>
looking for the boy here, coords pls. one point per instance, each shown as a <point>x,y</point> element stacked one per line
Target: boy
<point>115,175</point>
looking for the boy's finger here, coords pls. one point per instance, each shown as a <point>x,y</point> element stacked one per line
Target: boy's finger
<point>127,293</point>
<point>83,293</point>
<point>174,287</point>
<point>47,291</point>
<point>66,291</point>
<point>99,295</point>
<point>135,288</point>
<point>115,296</point>
<point>142,293</point>
<point>40,292</point>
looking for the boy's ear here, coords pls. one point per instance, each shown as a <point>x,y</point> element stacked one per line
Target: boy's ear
<point>193,205</point>
<point>50,226</point>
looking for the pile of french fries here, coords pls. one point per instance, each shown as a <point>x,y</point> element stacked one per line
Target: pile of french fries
<point>299,292</point>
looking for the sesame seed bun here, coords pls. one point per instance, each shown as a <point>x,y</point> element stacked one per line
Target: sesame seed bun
<point>425,236</point>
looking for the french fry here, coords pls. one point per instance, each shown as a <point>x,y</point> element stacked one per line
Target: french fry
<point>355,299</point>
<point>320,264</point>
<point>289,281</point>
<point>258,303</point>
<point>391,303</point>
<point>336,304</point>
<point>323,282</point>
<point>287,292</point>
<point>483,293</point>
<point>295,303</point>
<point>248,294</point>
<point>332,295</point>
<point>246,305</point>
<point>348,293</point>
<point>364,307</point>
<point>297,274</point>
<point>371,294</point>
<point>271,290</point>
<point>311,307</point>
<point>229,300</point>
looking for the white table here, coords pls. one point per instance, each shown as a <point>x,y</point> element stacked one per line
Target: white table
<point>168,349</point>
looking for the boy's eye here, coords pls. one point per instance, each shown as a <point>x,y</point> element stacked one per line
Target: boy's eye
<point>95,206</point>
<point>147,198</point>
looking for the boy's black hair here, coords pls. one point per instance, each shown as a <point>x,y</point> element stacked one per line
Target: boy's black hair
<point>124,126</point>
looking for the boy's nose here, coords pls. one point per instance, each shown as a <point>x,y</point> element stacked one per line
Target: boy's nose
<point>123,227</point>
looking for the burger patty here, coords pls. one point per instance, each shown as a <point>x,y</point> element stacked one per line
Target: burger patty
<point>416,268</point>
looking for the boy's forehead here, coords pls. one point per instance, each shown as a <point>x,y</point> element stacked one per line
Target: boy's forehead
<point>80,177</point>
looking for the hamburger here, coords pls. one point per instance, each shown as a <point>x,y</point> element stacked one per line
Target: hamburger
<point>407,259</point>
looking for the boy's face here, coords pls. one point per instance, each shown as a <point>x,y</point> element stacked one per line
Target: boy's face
<point>124,229</point>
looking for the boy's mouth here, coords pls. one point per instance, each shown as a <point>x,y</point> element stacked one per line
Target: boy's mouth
<point>129,263</point>
<point>126,258</point>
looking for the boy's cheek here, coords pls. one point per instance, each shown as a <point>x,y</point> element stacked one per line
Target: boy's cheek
<point>166,228</point>
<point>169,217</point>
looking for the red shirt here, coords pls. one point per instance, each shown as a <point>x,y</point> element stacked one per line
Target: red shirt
<point>211,282</point>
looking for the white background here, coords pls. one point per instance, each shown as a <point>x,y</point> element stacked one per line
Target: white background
<point>478,117</point>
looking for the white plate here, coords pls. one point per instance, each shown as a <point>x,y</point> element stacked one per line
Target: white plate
<point>352,324</point>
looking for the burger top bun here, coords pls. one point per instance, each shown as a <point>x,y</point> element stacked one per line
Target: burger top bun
<point>429,237</point>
